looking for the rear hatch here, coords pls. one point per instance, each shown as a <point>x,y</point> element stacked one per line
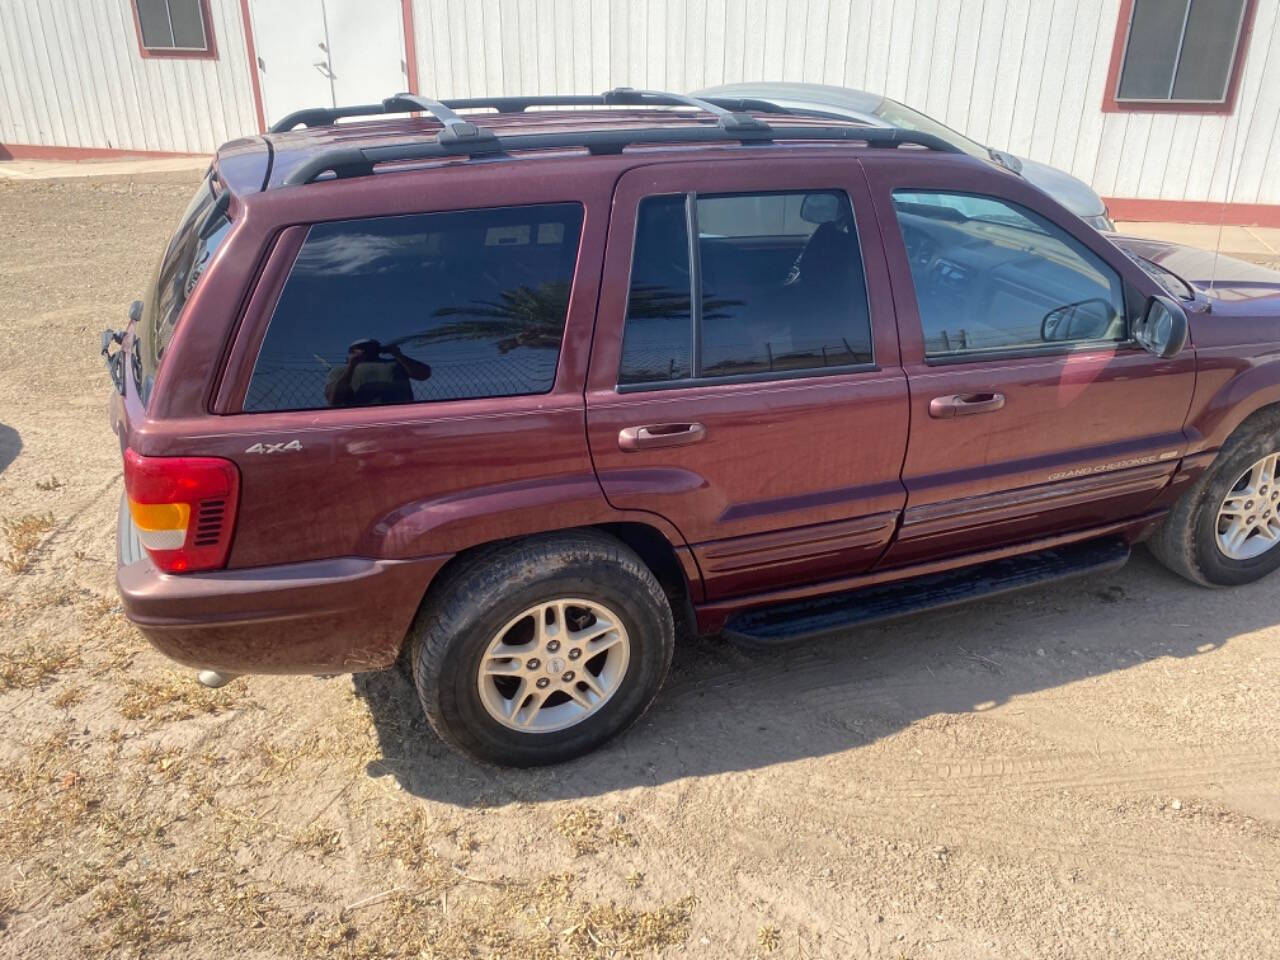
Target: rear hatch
<point>151,513</point>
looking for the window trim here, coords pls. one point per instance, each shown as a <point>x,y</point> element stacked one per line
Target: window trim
<point>695,379</point>
<point>1111,103</point>
<point>232,392</point>
<point>1027,350</point>
<point>208,52</point>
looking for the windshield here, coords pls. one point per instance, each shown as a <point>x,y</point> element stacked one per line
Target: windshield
<point>900,115</point>
<point>200,232</point>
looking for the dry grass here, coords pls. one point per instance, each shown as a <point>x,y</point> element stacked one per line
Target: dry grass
<point>23,535</point>
<point>31,665</point>
<point>613,931</point>
<point>167,697</point>
<point>585,830</point>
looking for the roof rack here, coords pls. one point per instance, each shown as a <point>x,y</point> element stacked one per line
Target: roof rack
<point>461,138</point>
<point>729,113</point>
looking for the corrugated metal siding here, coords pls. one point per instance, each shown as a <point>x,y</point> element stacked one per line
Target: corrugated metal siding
<point>71,75</point>
<point>1023,75</point>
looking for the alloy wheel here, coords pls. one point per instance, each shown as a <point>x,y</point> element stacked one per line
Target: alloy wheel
<point>554,665</point>
<point>1248,522</point>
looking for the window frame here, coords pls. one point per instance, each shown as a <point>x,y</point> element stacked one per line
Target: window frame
<point>1112,103</point>
<point>232,391</point>
<point>1030,350</point>
<point>208,52</point>
<point>695,301</point>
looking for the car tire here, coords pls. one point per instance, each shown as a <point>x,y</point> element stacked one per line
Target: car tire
<point>485,615</point>
<point>1188,541</point>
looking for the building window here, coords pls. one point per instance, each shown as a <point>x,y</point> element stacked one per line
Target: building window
<point>1179,55</point>
<point>173,28</point>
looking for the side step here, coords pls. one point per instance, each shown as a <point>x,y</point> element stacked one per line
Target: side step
<point>798,620</point>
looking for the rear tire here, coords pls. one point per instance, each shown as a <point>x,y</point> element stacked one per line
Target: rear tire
<point>540,650</point>
<point>1194,540</point>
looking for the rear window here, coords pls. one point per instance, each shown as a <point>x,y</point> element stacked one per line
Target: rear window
<point>427,307</point>
<point>201,230</point>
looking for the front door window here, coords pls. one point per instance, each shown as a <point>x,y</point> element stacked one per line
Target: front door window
<point>991,276</point>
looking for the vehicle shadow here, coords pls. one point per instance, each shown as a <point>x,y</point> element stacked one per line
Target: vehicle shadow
<point>725,709</point>
<point>10,445</point>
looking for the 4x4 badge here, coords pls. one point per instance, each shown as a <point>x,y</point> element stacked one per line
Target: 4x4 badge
<point>282,447</point>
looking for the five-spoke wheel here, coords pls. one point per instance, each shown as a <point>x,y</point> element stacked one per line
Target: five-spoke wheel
<point>554,665</point>
<point>1249,518</point>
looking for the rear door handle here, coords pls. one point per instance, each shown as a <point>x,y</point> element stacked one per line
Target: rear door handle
<point>660,435</point>
<point>964,404</point>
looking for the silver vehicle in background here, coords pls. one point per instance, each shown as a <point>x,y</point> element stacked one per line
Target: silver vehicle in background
<point>871,108</point>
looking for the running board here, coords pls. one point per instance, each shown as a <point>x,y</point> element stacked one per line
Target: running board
<point>800,620</point>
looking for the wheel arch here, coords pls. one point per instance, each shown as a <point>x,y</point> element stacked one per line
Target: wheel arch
<point>673,566</point>
<point>1242,401</point>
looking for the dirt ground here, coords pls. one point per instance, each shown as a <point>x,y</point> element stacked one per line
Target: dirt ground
<point>1085,770</point>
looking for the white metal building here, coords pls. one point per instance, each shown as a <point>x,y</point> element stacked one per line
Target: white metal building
<point>1168,107</point>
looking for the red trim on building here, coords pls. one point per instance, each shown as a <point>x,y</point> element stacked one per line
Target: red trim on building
<point>1194,211</point>
<point>410,45</point>
<point>35,151</point>
<point>211,53</point>
<point>1111,105</point>
<point>251,53</point>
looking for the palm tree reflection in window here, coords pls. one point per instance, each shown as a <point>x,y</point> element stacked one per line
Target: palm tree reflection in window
<point>530,317</point>
<point>648,354</point>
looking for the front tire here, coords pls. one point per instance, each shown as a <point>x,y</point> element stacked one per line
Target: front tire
<point>540,650</point>
<point>1225,531</point>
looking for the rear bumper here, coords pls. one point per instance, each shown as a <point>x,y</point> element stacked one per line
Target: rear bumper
<point>325,616</point>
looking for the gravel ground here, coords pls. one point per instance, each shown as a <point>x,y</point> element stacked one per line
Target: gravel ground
<point>1087,770</point>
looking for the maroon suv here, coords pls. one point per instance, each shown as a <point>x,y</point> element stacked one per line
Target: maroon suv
<point>523,394</point>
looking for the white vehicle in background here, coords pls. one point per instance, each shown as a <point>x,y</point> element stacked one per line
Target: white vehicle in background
<point>871,108</point>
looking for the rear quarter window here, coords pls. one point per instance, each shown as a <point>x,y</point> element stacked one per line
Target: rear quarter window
<point>201,230</point>
<point>419,308</point>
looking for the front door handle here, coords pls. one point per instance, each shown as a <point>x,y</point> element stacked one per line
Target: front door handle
<point>964,404</point>
<point>660,435</point>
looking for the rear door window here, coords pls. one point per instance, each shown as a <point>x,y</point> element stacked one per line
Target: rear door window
<point>775,288</point>
<point>418,308</point>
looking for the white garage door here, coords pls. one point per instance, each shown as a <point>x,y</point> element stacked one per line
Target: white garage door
<point>324,53</point>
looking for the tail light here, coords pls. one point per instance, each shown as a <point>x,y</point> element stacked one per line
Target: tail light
<point>184,509</point>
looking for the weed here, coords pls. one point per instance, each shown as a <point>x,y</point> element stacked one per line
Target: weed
<point>582,829</point>
<point>29,666</point>
<point>317,839</point>
<point>170,697</point>
<point>613,931</point>
<point>69,697</point>
<point>768,937</point>
<point>23,535</point>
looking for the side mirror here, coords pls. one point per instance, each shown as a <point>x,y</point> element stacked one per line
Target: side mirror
<point>1163,328</point>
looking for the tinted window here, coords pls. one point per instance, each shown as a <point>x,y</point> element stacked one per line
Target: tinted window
<point>782,288</point>
<point>439,306</point>
<point>200,232</point>
<point>991,275</point>
<point>658,339</point>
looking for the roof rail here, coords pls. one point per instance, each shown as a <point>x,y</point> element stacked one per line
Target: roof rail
<point>345,162</point>
<point>728,113</point>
